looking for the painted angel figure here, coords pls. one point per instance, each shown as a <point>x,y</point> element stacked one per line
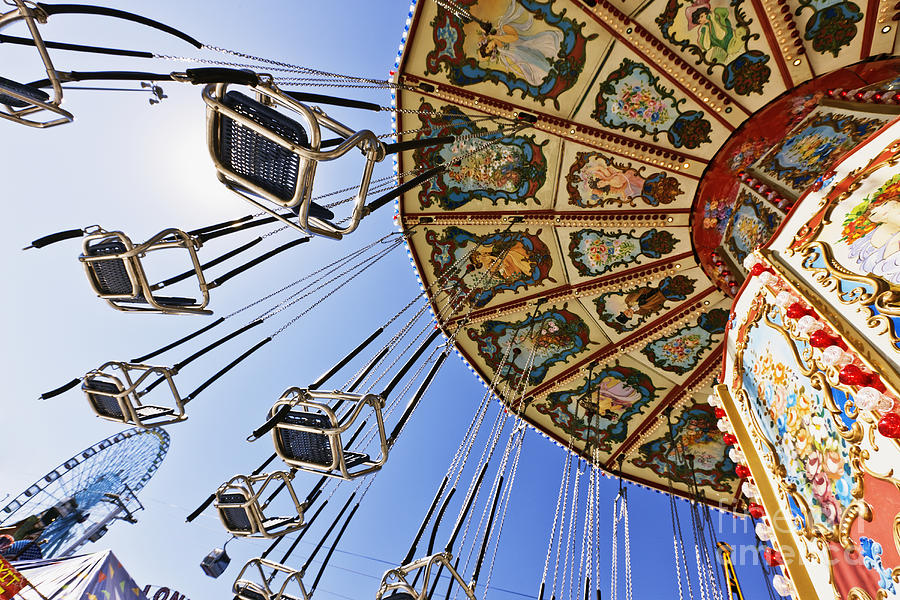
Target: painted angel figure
<point>878,252</point>
<point>530,57</point>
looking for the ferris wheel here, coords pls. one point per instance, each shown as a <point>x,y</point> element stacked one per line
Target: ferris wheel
<point>78,501</point>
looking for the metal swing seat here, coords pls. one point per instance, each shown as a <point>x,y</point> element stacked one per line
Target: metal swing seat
<point>266,587</point>
<point>23,103</point>
<point>115,270</point>
<point>115,397</point>
<point>268,158</point>
<point>243,514</point>
<point>309,434</point>
<point>399,583</point>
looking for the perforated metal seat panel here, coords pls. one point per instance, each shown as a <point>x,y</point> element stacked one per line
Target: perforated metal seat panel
<point>399,596</point>
<point>110,276</point>
<point>164,300</point>
<point>255,157</point>
<point>236,518</point>
<point>148,412</point>
<point>248,594</point>
<point>303,445</point>
<point>105,404</point>
<point>28,91</point>
<point>352,459</point>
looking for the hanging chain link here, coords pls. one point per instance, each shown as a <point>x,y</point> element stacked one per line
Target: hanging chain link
<point>332,292</point>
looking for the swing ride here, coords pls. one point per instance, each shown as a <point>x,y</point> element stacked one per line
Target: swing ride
<point>578,185</point>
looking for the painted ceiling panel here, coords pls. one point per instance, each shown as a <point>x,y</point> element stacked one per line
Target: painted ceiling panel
<point>458,54</point>
<point>532,345</point>
<point>486,266</point>
<point>593,180</point>
<point>624,307</point>
<point>516,170</point>
<point>687,337</point>
<point>603,414</point>
<point>633,97</point>
<point>694,431</point>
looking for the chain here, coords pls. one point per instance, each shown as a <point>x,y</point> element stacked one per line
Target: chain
<point>273,232</point>
<point>570,547</point>
<point>329,294</point>
<point>597,472</point>
<point>296,296</point>
<point>392,406</point>
<point>587,535</point>
<point>302,279</point>
<point>454,8</point>
<point>297,68</point>
<point>397,358</point>
<point>624,510</point>
<point>512,478</point>
<point>518,426</point>
<point>559,497</point>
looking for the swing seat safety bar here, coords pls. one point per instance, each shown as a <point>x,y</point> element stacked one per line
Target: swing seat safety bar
<point>395,584</point>
<point>243,513</point>
<point>264,587</point>
<point>261,154</point>
<point>115,271</point>
<point>309,432</point>
<point>115,397</point>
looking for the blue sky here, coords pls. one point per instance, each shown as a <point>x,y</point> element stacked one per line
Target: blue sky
<point>126,165</point>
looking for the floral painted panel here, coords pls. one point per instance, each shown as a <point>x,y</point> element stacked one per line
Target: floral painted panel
<point>870,232</point>
<point>717,33</point>
<point>595,180</point>
<point>522,45</point>
<point>532,346</point>
<point>626,310</point>
<point>753,224</point>
<point>792,414</point>
<point>694,433</point>
<point>482,266</point>
<point>511,170</point>
<point>596,251</point>
<point>632,99</point>
<point>598,411</point>
<point>811,148</point>
<point>832,24</point>
<point>680,352</point>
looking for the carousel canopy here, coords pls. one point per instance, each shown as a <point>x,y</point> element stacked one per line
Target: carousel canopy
<point>599,248</point>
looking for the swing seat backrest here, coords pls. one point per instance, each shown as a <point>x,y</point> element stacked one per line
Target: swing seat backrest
<point>305,445</point>
<point>311,447</point>
<point>236,518</point>
<point>36,94</point>
<point>399,595</point>
<point>111,277</point>
<point>255,157</point>
<point>248,593</point>
<point>102,396</point>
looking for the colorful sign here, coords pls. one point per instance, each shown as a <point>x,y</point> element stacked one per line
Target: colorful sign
<point>11,581</point>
